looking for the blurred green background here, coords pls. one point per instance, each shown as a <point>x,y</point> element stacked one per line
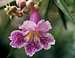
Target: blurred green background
<point>61,14</point>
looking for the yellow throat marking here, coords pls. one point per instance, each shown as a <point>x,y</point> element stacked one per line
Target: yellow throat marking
<point>33,35</point>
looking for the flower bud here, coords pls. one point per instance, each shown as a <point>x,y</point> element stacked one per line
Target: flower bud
<point>29,3</point>
<point>36,6</point>
<point>13,11</point>
<point>21,3</point>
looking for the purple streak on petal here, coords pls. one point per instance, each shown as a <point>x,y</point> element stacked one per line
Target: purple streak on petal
<point>38,45</point>
<point>35,16</point>
<point>32,47</point>
<point>47,41</point>
<point>44,26</point>
<point>17,39</point>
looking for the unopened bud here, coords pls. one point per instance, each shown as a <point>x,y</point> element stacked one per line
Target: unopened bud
<point>36,6</point>
<point>21,3</point>
<point>29,3</point>
<point>11,10</point>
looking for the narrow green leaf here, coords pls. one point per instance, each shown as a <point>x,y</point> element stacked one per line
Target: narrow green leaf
<point>62,5</point>
<point>63,18</point>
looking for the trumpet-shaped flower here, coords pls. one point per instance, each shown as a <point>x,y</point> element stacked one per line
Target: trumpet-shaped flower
<point>33,37</point>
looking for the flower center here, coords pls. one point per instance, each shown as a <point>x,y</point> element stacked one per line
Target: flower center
<point>33,35</point>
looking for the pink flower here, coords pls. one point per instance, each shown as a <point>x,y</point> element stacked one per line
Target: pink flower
<point>33,37</point>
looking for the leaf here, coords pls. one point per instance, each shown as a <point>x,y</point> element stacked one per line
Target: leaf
<point>50,3</point>
<point>63,7</point>
<point>63,18</point>
<point>43,7</point>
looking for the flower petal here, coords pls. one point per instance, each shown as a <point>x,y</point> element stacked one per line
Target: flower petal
<point>32,47</point>
<point>47,41</point>
<point>28,25</point>
<point>17,39</point>
<point>44,26</point>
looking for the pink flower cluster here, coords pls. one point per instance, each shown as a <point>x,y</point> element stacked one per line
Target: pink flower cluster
<point>33,35</point>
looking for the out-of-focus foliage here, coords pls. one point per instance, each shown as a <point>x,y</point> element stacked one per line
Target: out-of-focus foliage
<point>61,14</point>
<point>4,2</point>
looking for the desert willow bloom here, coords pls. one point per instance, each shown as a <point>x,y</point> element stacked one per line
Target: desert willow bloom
<point>33,35</point>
